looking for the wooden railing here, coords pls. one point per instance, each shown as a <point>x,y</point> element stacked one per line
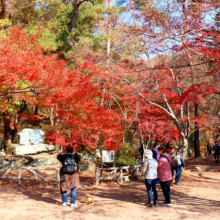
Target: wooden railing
<point>114,171</point>
<point>34,171</point>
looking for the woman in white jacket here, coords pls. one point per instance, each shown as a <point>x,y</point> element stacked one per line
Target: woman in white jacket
<point>149,168</point>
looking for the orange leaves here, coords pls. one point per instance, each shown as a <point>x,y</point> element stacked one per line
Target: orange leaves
<point>27,74</point>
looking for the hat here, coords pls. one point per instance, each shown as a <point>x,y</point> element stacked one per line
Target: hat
<point>148,153</point>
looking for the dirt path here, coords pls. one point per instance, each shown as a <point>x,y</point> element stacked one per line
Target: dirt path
<point>198,197</point>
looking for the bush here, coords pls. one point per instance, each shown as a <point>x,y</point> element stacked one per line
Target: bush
<point>126,156</point>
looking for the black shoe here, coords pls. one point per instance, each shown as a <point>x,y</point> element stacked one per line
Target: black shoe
<point>166,203</point>
<point>216,161</point>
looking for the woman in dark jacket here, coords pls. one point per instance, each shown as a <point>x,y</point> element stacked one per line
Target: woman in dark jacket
<point>68,181</point>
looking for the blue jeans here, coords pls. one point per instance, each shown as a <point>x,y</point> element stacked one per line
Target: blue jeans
<point>178,170</point>
<point>165,186</point>
<point>151,184</point>
<point>73,196</point>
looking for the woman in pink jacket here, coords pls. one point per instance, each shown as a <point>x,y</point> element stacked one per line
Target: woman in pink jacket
<point>164,173</point>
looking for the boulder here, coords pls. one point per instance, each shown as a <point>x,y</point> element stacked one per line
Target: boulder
<point>206,169</point>
<point>52,161</point>
<point>31,136</point>
<point>43,162</point>
<point>39,162</point>
<point>91,158</point>
<point>85,166</point>
<point>16,160</point>
<point>31,149</point>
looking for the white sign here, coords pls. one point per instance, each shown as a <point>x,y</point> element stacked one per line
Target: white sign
<point>108,156</point>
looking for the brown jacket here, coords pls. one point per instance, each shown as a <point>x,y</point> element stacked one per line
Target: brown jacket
<point>68,181</point>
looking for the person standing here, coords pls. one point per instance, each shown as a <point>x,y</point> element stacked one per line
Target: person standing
<point>190,153</point>
<point>150,171</point>
<point>164,173</point>
<point>156,154</point>
<point>69,181</point>
<point>180,163</point>
<point>217,151</point>
<point>209,148</point>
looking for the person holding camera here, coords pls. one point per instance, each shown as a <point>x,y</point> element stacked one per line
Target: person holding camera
<point>69,178</point>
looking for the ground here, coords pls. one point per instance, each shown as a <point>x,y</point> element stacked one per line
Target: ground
<point>198,197</point>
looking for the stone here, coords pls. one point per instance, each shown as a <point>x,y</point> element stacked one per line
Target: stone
<point>31,149</point>
<point>43,162</point>
<point>91,158</point>
<point>85,166</point>
<point>52,161</point>
<point>31,136</point>
<point>16,160</point>
<point>39,162</point>
<point>206,169</point>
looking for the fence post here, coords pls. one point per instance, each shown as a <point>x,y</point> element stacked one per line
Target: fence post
<point>19,176</point>
<point>58,177</point>
<point>97,176</point>
<point>137,170</point>
<point>121,174</point>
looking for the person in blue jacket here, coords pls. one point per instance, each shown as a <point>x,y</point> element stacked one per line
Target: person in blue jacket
<point>156,154</point>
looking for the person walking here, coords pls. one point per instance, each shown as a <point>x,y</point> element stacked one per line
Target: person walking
<point>164,173</point>
<point>217,151</point>
<point>180,163</point>
<point>149,168</point>
<point>209,148</point>
<point>69,178</point>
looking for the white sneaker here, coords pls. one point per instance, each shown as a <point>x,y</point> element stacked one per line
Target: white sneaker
<point>64,204</point>
<point>73,205</point>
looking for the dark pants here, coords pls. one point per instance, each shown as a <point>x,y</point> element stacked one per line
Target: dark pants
<point>165,186</point>
<point>216,156</point>
<point>178,170</point>
<point>210,151</point>
<point>151,184</point>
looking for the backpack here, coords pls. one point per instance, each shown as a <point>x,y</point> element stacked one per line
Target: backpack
<point>173,155</point>
<point>218,147</point>
<point>69,165</point>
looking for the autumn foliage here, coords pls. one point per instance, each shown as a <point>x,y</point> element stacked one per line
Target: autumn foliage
<point>27,74</point>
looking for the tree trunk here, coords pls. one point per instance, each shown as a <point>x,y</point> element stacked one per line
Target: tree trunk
<point>2,7</point>
<point>75,14</point>
<point>7,140</point>
<point>196,133</point>
<point>36,110</point>
<point>108,51</point>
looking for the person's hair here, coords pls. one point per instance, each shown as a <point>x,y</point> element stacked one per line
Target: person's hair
<point>163,149</point>
<point>156,144</point>
<point>216,142</point>
<point>69,149</point>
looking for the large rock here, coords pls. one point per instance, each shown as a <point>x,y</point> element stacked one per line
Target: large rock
<point>39,162</point>
<point>31,149</point>
<point>15,160</point>
<point>31,136</point>
<point>91,158</point>
<point>43,162</point>
<point>85,166</point>
<point>206,169</point>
